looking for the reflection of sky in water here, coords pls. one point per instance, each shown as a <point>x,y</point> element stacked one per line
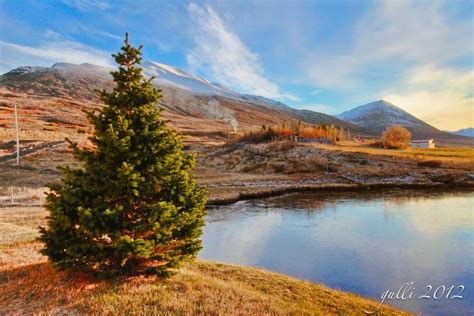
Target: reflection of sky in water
<point>364,244</point>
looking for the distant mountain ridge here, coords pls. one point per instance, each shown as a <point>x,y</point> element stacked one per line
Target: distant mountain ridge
<point>193,105</point>
<point>377,116</point>
<point>469,132</point>
<point>192,101</point>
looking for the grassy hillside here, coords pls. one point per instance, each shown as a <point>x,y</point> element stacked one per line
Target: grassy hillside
<point>29,285</point>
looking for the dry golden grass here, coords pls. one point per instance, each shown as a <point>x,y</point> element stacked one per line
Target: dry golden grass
<point>460,155</point>
<point>20,224</point>
<point>29,285</point>
<point>201,288</point>
<point>209,288</point>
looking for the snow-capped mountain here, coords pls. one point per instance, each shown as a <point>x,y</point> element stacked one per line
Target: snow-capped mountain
<point>379,115</point>
<point>165,76</point>
<point>84,69</point>
<point>170,76</point>
<point>191,98</point>
<point>469,132</point>
<point>193,104</point>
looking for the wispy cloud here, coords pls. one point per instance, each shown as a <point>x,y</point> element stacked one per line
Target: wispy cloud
<point>425,40</point>
<point>441,96</point>
<point>404,51</point>
<point>87,5</point>
<point>316,92</point>
<point>412,30</point>
<point>54,49</point>
<point>398,34</point>
<point>108,35</point>
<point>224,56</point>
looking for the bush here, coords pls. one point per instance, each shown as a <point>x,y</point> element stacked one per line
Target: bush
<point>283,132</point>
<point>266,135</point>
<point>396,137</point>
<point>430,163</point>
<point>262,136</point>
<point>377,144</point>
<point>281,146</point>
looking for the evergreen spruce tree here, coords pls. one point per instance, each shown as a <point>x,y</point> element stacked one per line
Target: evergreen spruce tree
<point>133,207</point>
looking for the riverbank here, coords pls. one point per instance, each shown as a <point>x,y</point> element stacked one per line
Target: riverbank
<point>249,193</point>
<point>238,171</point>
<point>29,285</point>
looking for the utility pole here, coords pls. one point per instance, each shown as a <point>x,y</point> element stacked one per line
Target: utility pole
<point>17,137</point>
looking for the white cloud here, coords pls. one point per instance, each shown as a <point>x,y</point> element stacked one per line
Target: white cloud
<point>221,53</point>
<point>396,34</point>
<point>87,5</point>
<point>108,35</point>
<point>412,42</point>
<point>410,30</point>
<point>331,71</point>
<point>441,96</point>
<point>49,52</point>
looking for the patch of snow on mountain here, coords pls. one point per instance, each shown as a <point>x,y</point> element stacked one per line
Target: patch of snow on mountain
<point>84,69</point>
<point>165,75</point>
<point>379,112</point>
<point>28,70</point>
<point>168,75</point>
<point>256,99</point>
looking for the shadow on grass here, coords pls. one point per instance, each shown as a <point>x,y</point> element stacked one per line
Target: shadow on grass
<point>200,288</point>
<point>41,288</point>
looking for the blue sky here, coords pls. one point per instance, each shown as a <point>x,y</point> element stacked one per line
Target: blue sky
<point>327,56</point>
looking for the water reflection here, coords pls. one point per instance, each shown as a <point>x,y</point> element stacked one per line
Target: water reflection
<point>364,243</point>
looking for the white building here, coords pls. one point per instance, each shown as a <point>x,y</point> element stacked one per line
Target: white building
<point>424,143</point>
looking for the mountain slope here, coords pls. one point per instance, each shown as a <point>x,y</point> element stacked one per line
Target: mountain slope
<point>379,115</point>
<point>468,132</point>
<point>58,95</point>
<point>166,75</point>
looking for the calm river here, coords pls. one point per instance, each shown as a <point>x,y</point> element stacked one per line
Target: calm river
<point>366,244</point>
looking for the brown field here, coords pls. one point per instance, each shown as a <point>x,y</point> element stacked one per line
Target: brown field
<point>451,154</point>
<point>232,170</point>
<point>29,285</point>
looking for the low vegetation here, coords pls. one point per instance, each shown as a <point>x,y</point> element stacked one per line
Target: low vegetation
<point>293,132</point>
<point>430,163</point>
<point>396,137</point>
